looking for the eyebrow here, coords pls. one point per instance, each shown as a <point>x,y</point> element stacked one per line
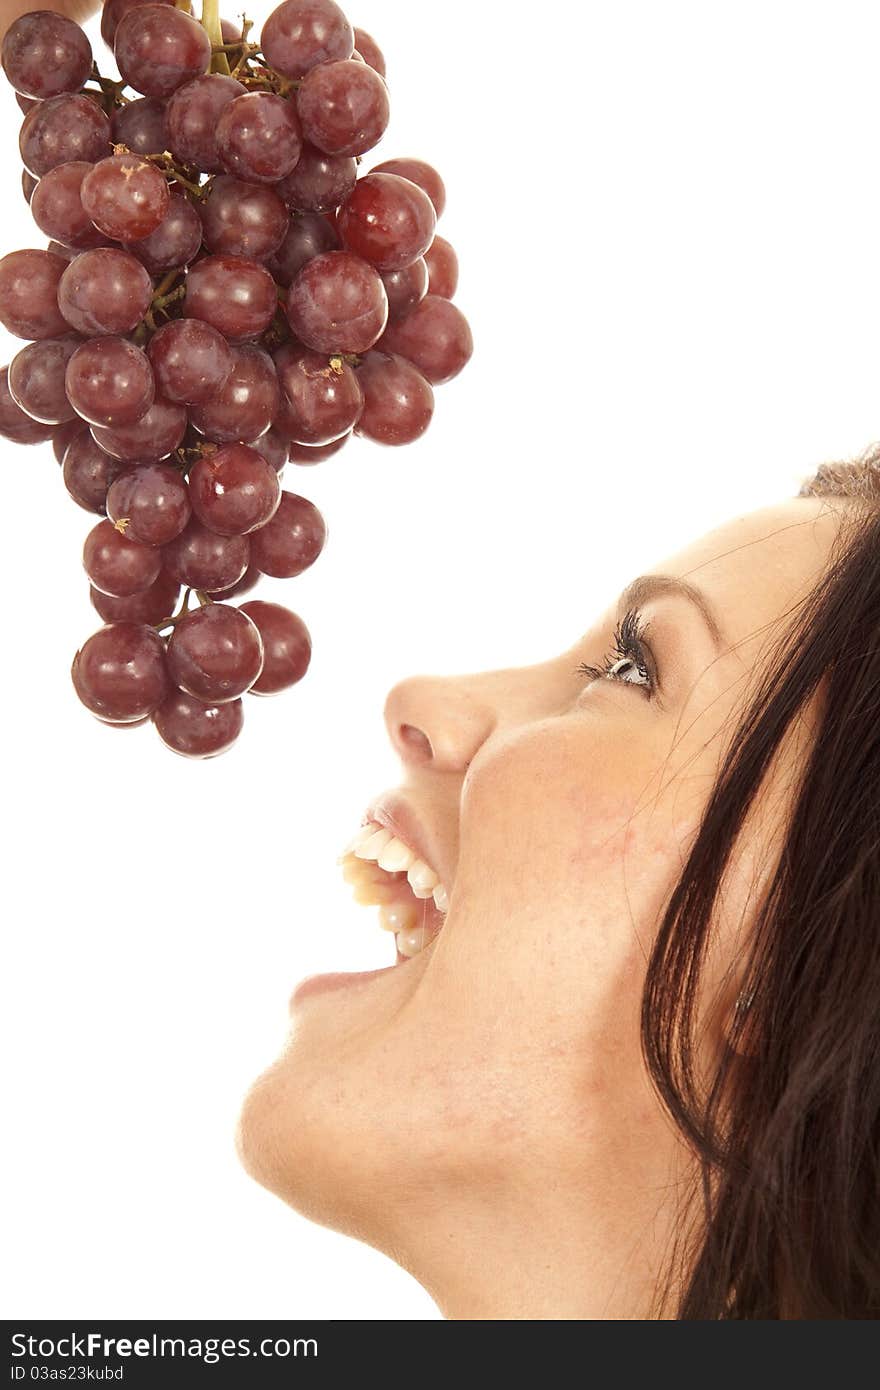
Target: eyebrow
<point>649,586</point>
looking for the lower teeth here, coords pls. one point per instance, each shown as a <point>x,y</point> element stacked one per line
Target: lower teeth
<point>393,917</point>
<point>409,943</point>
<point>411,934</point>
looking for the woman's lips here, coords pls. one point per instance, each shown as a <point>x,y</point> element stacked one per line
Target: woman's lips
<point>325,984</point>
<point>322,984</point>
<point>393,812</point>
<point>396,814</point>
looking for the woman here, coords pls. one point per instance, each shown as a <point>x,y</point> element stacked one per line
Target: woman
<point>636,1072</point>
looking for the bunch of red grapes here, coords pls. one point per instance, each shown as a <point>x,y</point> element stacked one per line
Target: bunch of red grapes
<point>221,293</point>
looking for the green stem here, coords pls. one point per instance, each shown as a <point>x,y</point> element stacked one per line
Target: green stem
<point>165,284</point>
<point>175,618</point>
<point>211,25</point>
<point>160,301</point>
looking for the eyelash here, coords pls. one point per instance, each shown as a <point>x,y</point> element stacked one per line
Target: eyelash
<point>629,646</point>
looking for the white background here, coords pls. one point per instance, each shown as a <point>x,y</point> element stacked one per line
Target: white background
<point>667,220</point>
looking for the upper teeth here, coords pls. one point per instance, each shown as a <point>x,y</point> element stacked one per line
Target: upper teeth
<point>390,853</point>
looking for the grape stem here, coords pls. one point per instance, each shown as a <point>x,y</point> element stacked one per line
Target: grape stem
<point>186,457</point>
<point>184,609</point>
<point>165,284</point>
<point>108,88</point>
<point>162,297</point>
<point>211,25</point>
<point>248,80</point>
<point>171,169</point>
<point>247,49</point>
<point>176,617</point>
<point>162,300</point>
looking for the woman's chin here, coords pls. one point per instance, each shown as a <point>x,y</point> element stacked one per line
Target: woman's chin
<point>282,1142</point>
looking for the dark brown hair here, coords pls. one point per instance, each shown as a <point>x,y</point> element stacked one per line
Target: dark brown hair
<point>787,1130</point>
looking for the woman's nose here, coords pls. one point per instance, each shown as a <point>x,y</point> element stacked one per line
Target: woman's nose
<point>439,721</point>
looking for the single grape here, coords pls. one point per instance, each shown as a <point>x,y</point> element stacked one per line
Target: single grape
<point>28,185</point>
<point>337,303</point>
<point>109,382</point>
<point>435,337</point>
<point>112,13</point>
<point>343,107</point>
<point>302,33</point>
<point>398,401</point>
<point>215,653</point>
<point>201,559</point>
<point>15,424</point>
<point>292,540</point>
<point>369,50</point>
<point>104,291</point>
<point>308,454</point>
<point>287,646</point>
<point>140,124</point>
<point>387,220</point>
<point>45,54</point>
<point>150,606</point>
<point>273,448</point>
<point>246,403</point>
<point>405,288</point>
<point>63,129</point>
<point>259,137</point>
<point>234,490</point>
<point>308,235</point>
<point>125,196</point>
<point>320,401</point>
<point>36,379</point>
<point>235,295</point>
<point>176,240</point>
<point>118,566</point>
<point>442,263</point>
<point>319,182</point>
<point>191,118</point>
<point>120,672</point>
<point>57,207</point>
<point>150,438</point>
<point>149,503</point>
<point>64,435</point>
<point>198,728</point>
<point>424,175</point>
<point>243,219</point>
<point>231,34</point>
<point>29,281</point>
<point>190,359</point>
<point>248,581</point>
<point>88,472</point>
<point>158,48</point>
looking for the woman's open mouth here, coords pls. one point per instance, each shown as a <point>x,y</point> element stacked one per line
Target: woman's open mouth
<point>385,872</point>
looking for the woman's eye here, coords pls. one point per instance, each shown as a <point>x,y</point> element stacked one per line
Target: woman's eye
<point>632,660</point>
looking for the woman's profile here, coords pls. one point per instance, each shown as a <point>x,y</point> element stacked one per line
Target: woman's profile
<point>633,1071</point>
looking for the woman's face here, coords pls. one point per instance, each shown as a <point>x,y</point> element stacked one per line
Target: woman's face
<point>481,1111</point>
